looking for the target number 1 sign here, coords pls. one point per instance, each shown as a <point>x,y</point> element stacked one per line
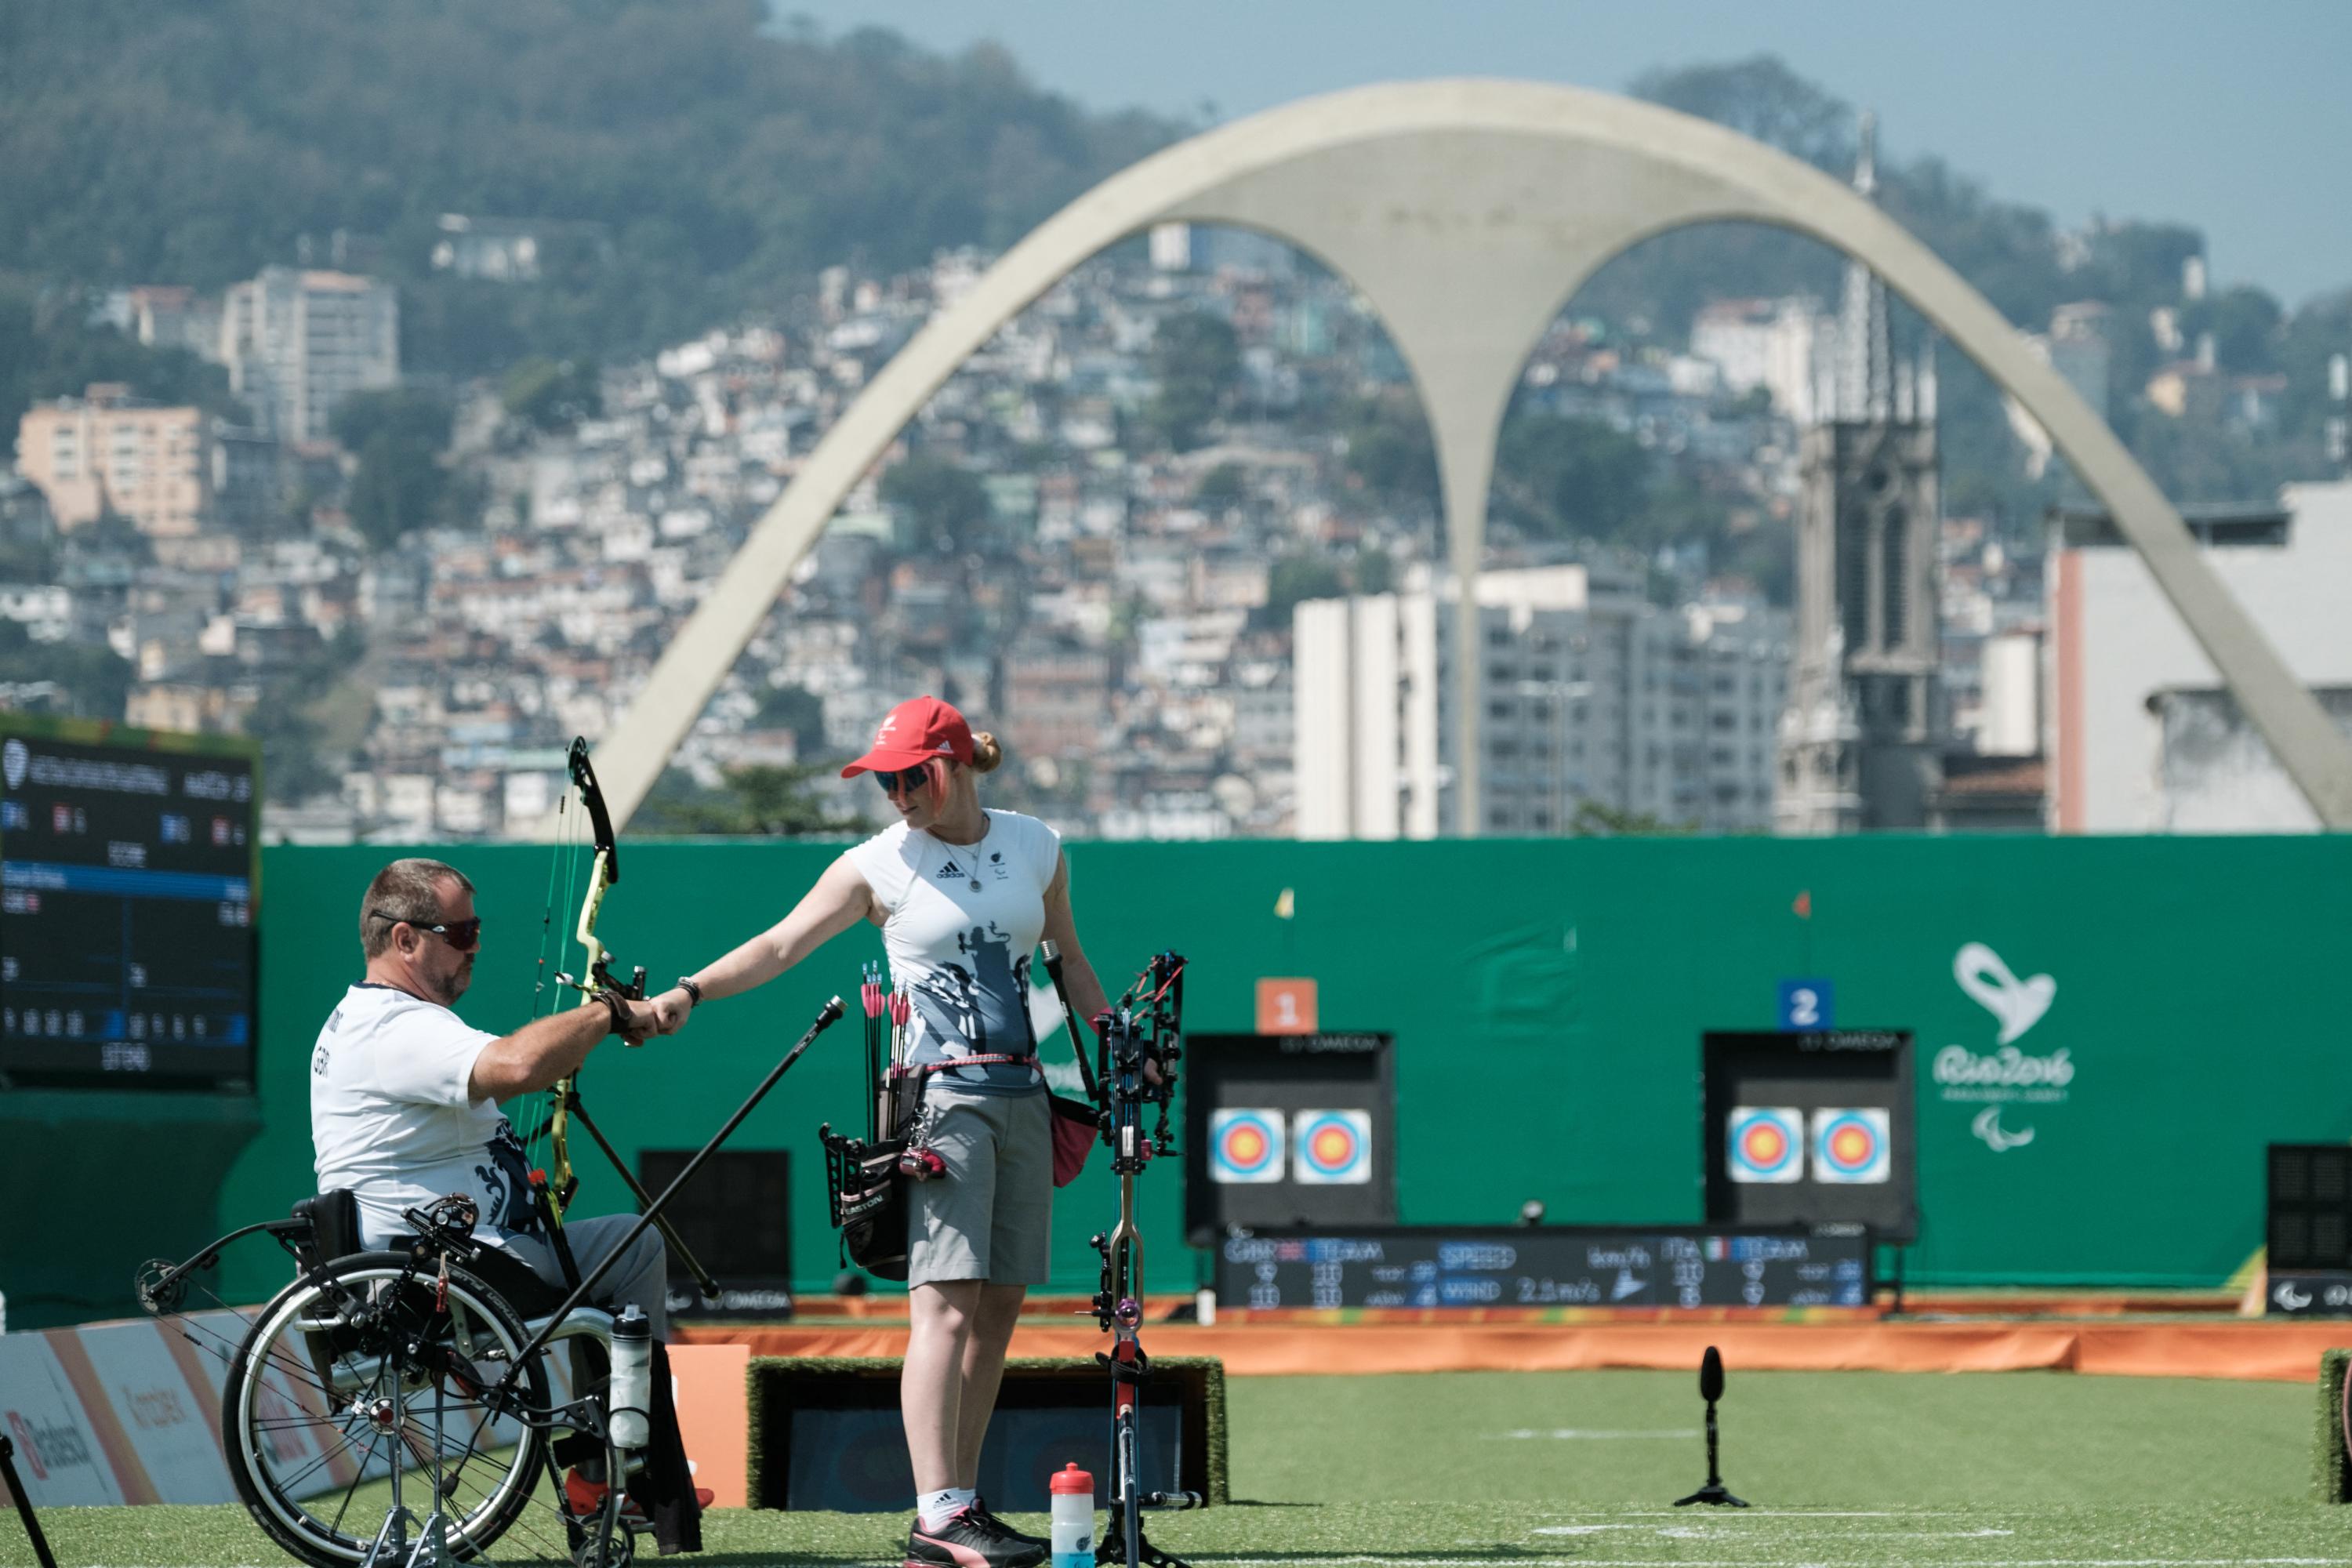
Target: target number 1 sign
<point>1286,1007</point>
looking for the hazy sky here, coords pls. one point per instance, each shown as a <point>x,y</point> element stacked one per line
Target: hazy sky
<point>2235,118</point>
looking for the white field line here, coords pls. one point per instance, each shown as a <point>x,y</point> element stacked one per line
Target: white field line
<point>1787,1561</point>
<point>1567,1433</point>
<point>1699,1532</point>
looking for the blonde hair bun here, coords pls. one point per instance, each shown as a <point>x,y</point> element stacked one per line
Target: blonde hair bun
<point>985,752</point>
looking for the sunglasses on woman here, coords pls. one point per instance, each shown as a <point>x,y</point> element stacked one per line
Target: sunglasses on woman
<point>908,778</point>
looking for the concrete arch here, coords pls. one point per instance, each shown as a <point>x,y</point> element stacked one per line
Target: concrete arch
<point>1468,212</point>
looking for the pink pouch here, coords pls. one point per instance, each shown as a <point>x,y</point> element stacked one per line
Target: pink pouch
<point>1074,1132</point>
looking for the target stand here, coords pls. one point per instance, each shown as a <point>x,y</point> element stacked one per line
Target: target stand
<point>1288,1130</point>
<point>1812,1129</point>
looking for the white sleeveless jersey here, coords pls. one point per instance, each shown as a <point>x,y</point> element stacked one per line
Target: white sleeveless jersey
<point>964,923</point>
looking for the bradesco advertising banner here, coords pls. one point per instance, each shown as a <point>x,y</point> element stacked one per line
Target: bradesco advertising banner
<point>59,1456</point>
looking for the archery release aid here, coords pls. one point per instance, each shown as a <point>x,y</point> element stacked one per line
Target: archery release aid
<point>1074,1519</point>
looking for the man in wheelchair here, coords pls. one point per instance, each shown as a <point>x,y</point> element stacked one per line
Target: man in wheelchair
<point>404,1108</point>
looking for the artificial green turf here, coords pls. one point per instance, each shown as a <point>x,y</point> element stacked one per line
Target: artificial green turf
<point>1851,1439</point>
<point>2009,1469</point>
<point>1435,1535</point>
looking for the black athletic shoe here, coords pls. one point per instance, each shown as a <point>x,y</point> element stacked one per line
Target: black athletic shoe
<point>979,1505</point>
<point>970,1540</point>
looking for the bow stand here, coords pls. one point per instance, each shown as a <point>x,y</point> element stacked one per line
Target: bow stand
<point>1139,1042</point>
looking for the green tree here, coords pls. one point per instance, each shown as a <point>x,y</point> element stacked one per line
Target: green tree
<point>400,484</point>
<point>753,801</point>
<point>2244,322</point>
<point>1222,487</point>
<point>1564,478</point>
<point>944,502</point>
<point>799,709</point>
<point>1195,359</point>
<point>93,678</point>
<point>554,394</point>
<point>418,418</point>
<point>1293,578</point>
<point>50,349</point>
<point>1390,456</point>
<point>1596,819</point>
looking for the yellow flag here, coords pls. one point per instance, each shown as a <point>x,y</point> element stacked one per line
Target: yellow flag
<point>1284,905</point>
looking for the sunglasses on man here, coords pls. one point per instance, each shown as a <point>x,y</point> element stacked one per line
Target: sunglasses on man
<point>463,935</point>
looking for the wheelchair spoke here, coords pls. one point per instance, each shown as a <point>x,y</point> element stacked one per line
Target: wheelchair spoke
<point>327,1457</point>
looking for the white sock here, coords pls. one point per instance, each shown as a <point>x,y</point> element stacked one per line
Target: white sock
<point>936,1508</point>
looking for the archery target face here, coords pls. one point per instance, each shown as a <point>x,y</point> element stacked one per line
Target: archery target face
<point>1849,1145</point>
<point>1766,1144</point>
<point>1245,1146</point>
<point>1331,1147</point>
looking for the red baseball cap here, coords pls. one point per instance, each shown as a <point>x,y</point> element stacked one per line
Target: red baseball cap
<point>914,732</point>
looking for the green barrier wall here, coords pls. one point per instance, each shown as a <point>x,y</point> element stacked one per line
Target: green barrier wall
<point>1546,998</point>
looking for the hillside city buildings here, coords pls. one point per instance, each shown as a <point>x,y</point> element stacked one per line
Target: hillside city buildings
<point>1248,633</point>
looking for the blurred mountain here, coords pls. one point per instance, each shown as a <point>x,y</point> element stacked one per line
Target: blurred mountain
<point>698,162</point>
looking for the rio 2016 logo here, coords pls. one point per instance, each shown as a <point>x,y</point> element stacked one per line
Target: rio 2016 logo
<point>2008,1075</point>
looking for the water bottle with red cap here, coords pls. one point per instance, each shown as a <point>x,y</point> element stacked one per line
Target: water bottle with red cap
<point>1074,1519</point>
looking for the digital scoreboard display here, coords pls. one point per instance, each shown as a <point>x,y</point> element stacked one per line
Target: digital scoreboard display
<point>127,905</point>
<point>1546,1265</point>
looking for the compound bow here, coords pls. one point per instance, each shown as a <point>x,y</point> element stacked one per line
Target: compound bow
<point>596,977</point>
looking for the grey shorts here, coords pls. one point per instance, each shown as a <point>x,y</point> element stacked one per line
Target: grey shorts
<point>990,1218</point>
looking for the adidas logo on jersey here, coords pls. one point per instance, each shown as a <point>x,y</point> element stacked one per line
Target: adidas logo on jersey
<point>948,872</point>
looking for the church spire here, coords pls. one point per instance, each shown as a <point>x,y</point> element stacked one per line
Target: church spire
<point>1865,390</point>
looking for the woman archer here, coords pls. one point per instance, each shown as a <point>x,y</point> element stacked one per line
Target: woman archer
<point>963,896</point>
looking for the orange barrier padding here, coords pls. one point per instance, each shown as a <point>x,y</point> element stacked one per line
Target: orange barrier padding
<point>893,1307</point>
<point>2006,1303</point>
<point>712,1387</point>
<point>2267,1352</point>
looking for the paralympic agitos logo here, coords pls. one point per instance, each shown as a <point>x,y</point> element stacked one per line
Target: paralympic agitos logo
<point>2008,1074</point>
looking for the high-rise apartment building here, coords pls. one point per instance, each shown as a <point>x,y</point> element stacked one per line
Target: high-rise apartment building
<point>1585,693</point>
<point>105,452</point>
<point>298,342</point>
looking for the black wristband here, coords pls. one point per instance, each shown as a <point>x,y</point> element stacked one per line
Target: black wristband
<point>618,1014</point>
<point>693,992</point>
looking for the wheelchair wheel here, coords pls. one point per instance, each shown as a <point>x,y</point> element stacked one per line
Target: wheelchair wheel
<point>350,1382</point>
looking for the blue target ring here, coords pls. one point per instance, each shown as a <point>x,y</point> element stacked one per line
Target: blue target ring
<point>1849,1143</point>
<point>1763,1143</point>
<point>1247,1144</point>
<point>1331,1144</point>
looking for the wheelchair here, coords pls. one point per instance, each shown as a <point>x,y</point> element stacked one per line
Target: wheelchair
<point>379,1410</point>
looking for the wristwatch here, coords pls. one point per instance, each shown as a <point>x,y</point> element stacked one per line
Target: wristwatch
<point>693,992</point>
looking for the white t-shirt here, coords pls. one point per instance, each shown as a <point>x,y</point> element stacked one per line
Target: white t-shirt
<point>392,1118</point>
<point>964,919</point>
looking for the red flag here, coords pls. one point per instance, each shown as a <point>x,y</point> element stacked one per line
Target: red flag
<point>1804,904</point>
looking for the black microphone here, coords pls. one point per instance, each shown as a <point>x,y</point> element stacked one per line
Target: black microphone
<point>1710,1375</point>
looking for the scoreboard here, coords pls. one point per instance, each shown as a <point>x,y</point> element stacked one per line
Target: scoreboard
<point>1531,1267</point>
<point>128,863</point>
